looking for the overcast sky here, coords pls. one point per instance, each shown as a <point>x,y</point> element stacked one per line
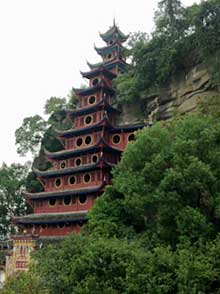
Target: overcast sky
<point>44,44</point>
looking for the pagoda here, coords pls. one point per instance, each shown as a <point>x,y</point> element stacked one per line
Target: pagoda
<point>80,171</point>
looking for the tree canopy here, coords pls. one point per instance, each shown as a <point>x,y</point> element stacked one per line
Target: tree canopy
<point>12,184</point>
<point>183,37</point>
<point>156,229</point>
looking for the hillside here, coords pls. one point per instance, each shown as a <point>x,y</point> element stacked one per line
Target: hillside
<point>156,229</point>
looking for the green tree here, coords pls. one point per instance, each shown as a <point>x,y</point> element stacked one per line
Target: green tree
<point>12,184</point>
<point>30,134</point>
<point>54,104</point>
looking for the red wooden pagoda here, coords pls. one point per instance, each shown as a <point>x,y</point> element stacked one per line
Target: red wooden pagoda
<point>92,147</point>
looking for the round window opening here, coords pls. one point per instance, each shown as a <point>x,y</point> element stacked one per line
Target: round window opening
<point>111,42</point>
<point>88,140</point>
<point>116,139</point>
<point>95,82</point>
<point>94,158</point>
<point>109,56</point>
<point>79,142</point>
<point>58,182</point>
<point>72,180</point>
<point>63,165</point>
<point>92,99</point>
<point>82,199</point>
<point>131,137</point>
<point>67,200</point>
<point>61,225</point>
<point>52,202</point>
<point>88,120</point>
<point>87,178</point>
<point>78,162</point>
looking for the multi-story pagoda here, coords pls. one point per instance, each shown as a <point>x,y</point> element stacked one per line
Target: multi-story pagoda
<point>92,147</point>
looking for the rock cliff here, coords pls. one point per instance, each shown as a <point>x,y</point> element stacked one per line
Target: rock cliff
<point>182,94</point>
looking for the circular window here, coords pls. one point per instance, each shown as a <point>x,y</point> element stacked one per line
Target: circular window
<point>88,120</point>
<point>67,200</point>
<point>58,182</point>
<point>63,164</point>
<point>131,137</point>
<point>72,180</point>
<point>95,82</point>
<point>78,161</point>
<point>79,142</point>
<point>116,139</point>
<point>94,158</point>
<point>109,56</point>
<point>52,202</point>
<point>87,178</point>
<point>61,225</point>
<point>82,199</point>
<point>111,42</point>
<point>92,99</point>
<point>88,140</point>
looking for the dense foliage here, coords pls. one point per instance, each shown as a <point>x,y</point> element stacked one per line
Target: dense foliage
<point>183,37</point>
<point>156,230</point>
<point>12,184</point>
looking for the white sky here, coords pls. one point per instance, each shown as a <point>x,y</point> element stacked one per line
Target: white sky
<point>44,44</point>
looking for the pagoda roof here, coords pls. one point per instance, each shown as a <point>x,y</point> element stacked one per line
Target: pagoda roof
<point>109,64</point>
<point>127,128</point>
<point>97,71</point>
<point>91,90</point>
<point>108,49</point>
<point>97,126</point>
<point>91,108</point>
<point>72,152</point>
<point>72,170</point>
<point>61,193</point>
<point>114,33</point>
<point>51,218</point>
<point>104,122</point>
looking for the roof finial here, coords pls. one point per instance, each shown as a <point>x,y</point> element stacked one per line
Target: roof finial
<point>114,23</point>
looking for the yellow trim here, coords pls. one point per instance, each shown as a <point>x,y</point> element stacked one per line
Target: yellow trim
<point>74,180</point>
<point>118,141</point>
<point>64,201</point>
<point>60,227</point>
<point>89,179</point>
<point>78,146</point>
<point>80,203</point>
<point>132,134</point>
<point>60,182</point>
<point>90,142</point>
<point>62,163</point>
<point>44,227</point>
<point>76,160</point>
<point>94,156</point>
<point>50,205</point>
<point>94,100</point>
<point>85,123</point>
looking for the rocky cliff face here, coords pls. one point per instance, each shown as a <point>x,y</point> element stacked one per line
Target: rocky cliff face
<point>182,95</point>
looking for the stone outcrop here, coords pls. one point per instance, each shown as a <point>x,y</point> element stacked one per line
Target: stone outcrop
<point>181,96</point>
